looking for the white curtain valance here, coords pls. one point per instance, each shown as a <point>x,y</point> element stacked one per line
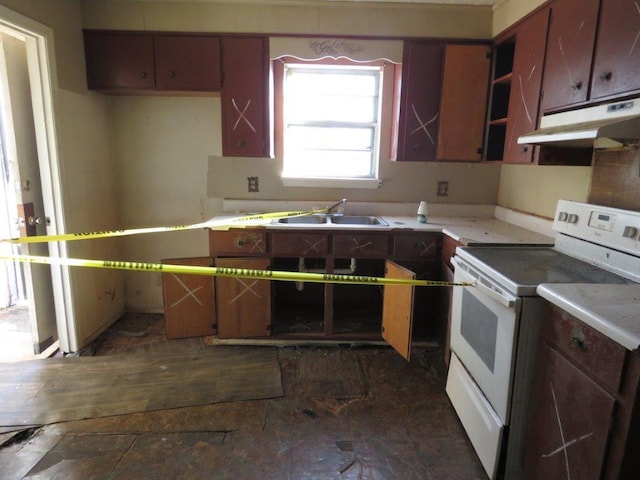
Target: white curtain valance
<point>354,49</point>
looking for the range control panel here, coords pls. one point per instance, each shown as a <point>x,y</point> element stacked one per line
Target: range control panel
<point>606,226</point>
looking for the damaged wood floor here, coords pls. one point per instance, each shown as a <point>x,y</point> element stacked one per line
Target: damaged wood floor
<point>346,413</point>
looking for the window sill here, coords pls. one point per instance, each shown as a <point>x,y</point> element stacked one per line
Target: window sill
<point>364,183</point>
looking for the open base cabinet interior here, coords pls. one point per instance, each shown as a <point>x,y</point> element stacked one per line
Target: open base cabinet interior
<point>254,308</point>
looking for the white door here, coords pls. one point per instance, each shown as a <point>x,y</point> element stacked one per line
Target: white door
<point>22,173</point>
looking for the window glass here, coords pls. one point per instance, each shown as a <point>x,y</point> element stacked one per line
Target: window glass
<point>331,120</point>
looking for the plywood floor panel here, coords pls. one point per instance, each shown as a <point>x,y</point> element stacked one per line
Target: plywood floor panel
<point>61,389</point>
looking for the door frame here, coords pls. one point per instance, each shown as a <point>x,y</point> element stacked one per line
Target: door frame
<point>43,82</point>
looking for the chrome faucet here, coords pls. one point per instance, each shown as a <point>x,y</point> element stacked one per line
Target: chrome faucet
<point>339,206</point>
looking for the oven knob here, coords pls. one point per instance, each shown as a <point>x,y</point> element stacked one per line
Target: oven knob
<point>630,232</point>
<point>572,218</point>
<point>562,216</point>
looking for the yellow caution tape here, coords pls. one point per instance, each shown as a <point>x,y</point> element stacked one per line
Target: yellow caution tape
<point>222,224</point>
<point>230,272</point>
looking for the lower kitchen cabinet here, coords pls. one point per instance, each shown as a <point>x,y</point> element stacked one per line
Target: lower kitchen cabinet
<point>243,304</point>
<point>585,417</point>
<point>189,300</point>
<point>304,310</point>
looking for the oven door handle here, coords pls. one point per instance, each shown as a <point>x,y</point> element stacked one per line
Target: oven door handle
<point>502,298</point>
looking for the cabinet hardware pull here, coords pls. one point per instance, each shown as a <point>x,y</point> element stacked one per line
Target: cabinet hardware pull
<point>143,74</point>
<point>172,74</point>
<point>577,343</point>
<point>576,85</point>
<point>605,76</point>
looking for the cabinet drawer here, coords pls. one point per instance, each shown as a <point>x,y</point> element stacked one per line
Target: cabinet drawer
<point>449,246</point>
<point>592,351</point>
<point>234,242</point>
<point>349,245</point>
<point>424,245</point>
<point>299,244</point>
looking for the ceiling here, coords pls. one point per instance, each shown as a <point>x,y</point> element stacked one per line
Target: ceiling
<point>434,2</point>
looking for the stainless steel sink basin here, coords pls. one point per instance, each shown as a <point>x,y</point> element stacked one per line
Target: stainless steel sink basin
<point>342,220</point>
<point>357,220</point>
<point>306,219</point>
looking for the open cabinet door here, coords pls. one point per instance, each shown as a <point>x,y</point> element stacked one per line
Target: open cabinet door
<point>397,310</point>
<point>243,305</point>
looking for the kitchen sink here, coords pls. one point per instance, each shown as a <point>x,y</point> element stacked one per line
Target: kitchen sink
<point>357,220</point>
<point>306,219</point>
<point>342,220</point>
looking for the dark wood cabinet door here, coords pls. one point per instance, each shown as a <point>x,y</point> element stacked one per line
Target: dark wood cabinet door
<point>463,105</point>
<point>189,300</point>
<point>243,304</point>
<point>568,427</point>
<point>245,70</point>
<point>526,82</point>
<point>420,101</point>
<point>616,68</point>
<point>119,60</point>
<point>187,62</point>
<point>570,46</point>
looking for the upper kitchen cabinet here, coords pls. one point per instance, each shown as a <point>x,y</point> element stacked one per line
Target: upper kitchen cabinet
<point>497,109</point>
<point>526,81</point>
<point>570,45</point>
<point>119,60</point>
<point>463,102</point>
<point>616,68</point>
<point>189,63</point>
<point>420,100</point>
<point>128,62</point>
<point>245,96</point>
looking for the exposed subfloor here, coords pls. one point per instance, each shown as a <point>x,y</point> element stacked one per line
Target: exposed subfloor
<point>346,413</point>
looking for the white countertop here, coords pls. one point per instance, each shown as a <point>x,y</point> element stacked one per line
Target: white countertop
<point>468,224</point>
<point>613,310</point>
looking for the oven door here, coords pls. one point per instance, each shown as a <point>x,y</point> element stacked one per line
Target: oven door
<point>483,334</point>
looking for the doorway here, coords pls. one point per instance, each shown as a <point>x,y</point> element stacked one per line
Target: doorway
<point>30,177</point>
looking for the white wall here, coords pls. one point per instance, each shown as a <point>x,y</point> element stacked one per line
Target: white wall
<point>161,150</point>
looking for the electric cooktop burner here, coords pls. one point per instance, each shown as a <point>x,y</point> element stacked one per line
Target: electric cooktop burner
<point>521,269</point>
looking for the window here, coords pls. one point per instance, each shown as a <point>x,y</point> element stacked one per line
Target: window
<point>331,121</point>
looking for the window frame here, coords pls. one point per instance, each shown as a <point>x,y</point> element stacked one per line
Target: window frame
<point>388,106</point>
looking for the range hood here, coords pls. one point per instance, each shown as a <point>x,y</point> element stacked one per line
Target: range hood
<point>609,125</point>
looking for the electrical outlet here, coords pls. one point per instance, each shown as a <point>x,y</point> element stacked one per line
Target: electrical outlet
<point>252,184</point>
<point>443,188</point>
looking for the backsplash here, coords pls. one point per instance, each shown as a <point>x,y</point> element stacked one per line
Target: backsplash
<point>616,179</point>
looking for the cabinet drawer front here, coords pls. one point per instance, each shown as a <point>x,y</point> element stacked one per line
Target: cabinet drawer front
<point>449,246</point>
<point>299,244</point>
<point>592,351</point>
<point>427,245</point>
<point>363,245</point>
<point>237,242</point>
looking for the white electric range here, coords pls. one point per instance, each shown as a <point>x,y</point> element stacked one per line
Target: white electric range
<point>495,323</point>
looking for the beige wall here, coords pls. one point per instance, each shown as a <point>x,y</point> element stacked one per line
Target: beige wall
<point>264,16</point>
<point>168,150</point>
<point>531,188</point>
